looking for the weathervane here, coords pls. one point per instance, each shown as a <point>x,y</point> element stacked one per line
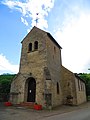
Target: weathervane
<point>36,18</point>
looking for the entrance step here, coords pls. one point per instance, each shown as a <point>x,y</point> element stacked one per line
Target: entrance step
<point>27,104</point>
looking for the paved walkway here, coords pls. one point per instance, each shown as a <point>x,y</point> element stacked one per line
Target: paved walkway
<point>22,113</point>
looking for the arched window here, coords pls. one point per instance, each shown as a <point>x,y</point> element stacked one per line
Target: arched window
<point>57,88</point>
<point>54,49</point>
<point>36,45</point>
<point>30,47</point>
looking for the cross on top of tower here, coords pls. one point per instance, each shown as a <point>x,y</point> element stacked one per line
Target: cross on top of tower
<point>37,18</point>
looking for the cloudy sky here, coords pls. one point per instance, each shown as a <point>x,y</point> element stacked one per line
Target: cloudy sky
<point>67,20</point>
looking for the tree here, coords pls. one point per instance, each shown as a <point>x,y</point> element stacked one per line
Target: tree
<point>86,77</point>
<point>5,84</point>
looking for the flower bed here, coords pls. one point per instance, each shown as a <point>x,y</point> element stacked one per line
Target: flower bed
<point>37,107</point>
<point>8,104</point>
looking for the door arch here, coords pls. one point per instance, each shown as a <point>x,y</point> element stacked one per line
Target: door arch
<point>31,92</point>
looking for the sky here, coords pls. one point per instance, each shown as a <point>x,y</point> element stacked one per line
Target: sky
<point>68,21</point>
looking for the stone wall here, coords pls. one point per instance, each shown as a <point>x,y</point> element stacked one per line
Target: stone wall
<point>74,86</point>
<point>32,64</point>
<point>80,91</point>
<point>35,58</point>
<point>54,66</point>
<point>17,89</point>
<point>68,85</point>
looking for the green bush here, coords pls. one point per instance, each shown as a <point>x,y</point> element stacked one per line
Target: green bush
<point>5,84</point>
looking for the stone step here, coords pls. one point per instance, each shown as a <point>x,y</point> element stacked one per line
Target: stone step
<point>27,104</point>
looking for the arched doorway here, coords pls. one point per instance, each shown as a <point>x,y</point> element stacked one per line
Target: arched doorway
<point>31,92</point>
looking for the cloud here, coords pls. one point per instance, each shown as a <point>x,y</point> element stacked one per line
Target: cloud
<point>6,66</point>
<point>30,8</point>
<point>24,21</point>
<point>74,37</point>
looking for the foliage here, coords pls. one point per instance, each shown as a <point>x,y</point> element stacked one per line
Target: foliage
<point>86,77</point>
<point>5,84</point>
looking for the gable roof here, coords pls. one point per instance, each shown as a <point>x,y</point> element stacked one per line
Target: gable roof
<point>50,36</point>
<point>47,33</point>
<point>77,76</point>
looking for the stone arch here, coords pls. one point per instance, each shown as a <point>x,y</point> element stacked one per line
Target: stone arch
<point>30,90</point>
<point>30,47</point>
<point>36,45</point>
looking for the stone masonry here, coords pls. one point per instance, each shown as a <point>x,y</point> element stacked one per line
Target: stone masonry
<point>42,78</point>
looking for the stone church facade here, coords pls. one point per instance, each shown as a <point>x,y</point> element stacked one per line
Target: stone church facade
<point>41,78</point>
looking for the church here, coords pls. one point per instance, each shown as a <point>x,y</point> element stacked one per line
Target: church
<point>42,78</point>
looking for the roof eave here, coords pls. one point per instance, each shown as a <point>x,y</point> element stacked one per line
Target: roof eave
<point>50,36</point>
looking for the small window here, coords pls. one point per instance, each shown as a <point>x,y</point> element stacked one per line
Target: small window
<point>78,85</point>
<point>30,47</point>
<point>83,87</point>
<point>68,84</point>
<point>57,88</point>
<point>36,45</point>
<point>54,49</point>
